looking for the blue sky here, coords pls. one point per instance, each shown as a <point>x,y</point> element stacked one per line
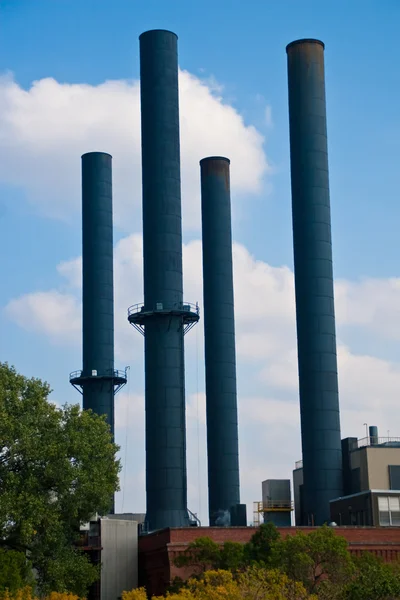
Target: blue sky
<point>241,46</point>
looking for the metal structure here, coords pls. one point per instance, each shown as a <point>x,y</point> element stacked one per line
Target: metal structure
<point>373,434</point>
<point>98,381</point>
<point>275,506</point>
<point>316,337</point>
<point>164,317</point>
<point>257,514</point>
<point>277,502</point>
<point>267,509</point>
<point>219,339</point>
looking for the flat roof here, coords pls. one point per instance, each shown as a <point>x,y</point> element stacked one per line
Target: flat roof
<point>366,492</point>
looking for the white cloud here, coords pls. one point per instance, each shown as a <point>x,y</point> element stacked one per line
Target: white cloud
<point>52,313</point>
<point>71,271</point>
<point>44,130</point>
<point>267,362</point>
<point>268,116</point>
<point>129,435</point>
<point>371,303</point>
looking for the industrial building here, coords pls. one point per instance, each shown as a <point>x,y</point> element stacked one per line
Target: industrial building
<point>276,506</point>
<point>371,484</point>
<point>348,483</point>
<point>113,544</point>
<point>371,469</point>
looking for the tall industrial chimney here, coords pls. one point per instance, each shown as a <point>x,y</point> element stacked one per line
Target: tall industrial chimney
<point>164,317</point>
<point>219,339</point>
<point>98,381</point>
<point>316,338</point>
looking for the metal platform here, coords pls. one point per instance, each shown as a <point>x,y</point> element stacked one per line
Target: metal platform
<point>119,379</point>
<point>268,507</point>
<point>138,314</point>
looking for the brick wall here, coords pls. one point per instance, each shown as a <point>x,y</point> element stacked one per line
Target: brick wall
<point>158,550</point>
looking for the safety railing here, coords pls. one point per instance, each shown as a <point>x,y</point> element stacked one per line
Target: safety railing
<point>119,374</point>
<point>75,375</point>
<point>274,505</point>
<point>375,441</point>
<point>112,373</point>
<point>164,307</point>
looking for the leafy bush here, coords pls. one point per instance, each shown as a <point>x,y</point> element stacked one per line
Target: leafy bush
<point>27,594</point>
<point>254,584</point>
<point>138,594</point>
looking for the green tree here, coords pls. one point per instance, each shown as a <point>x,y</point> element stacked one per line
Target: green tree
<point>58,468</point>
<point>202,554</point>
<point>255,583</point>
<point>259,583</point>
<point>320,560</point>
<point>374,579</point>
<point>15,570</point>
<point>261,545</point>
<point>213,585</point>
<point>231,556</point>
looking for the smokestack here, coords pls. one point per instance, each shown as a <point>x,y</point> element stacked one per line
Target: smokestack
<point>219,339</point>
<point>164,318</point>
<point>98,381</point>
<point>316,338</point>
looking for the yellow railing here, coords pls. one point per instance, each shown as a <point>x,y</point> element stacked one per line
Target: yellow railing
<point>273,505</point>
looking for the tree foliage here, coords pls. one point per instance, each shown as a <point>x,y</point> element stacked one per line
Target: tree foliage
<point>213,585</point>
<point>257,582</point>
<point>315,565</point>
<point>58,468</point>
<point>261,545</point>
<point>26,593</point>
<point>319,559</point>
<point>373,579</point>
<point>253,584</point>
<point>137,594</point>
<point>231,556</point>
<point>202,554</point>
<point>15,570</point>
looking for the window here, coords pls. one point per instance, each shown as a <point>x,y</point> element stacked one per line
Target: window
<point>356,481</point>
<point>394,508</point>
<point>389,510</point>
<point>394,477</point>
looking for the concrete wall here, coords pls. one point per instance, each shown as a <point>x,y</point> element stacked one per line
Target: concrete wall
<point>359,461</point>
<point>378,460</point>
<point>119,557</point>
